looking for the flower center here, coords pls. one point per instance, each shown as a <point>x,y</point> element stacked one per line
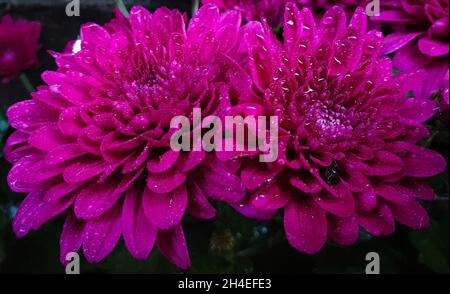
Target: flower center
<point>328,122</point>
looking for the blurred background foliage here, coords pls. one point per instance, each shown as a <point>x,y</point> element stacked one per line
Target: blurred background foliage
<point>228,244</point>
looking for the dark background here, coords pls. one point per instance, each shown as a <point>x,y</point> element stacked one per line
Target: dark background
<point>228,244</point>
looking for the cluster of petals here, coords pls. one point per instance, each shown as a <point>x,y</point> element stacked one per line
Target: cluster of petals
<point>18,46</point>
<point>420,39</point>
<point>349,156</point>
<point>94,142</point>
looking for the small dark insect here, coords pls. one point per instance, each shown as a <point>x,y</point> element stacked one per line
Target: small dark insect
<point>331,173</point>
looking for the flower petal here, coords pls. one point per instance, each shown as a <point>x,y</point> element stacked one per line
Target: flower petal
<point>172,245</point>
<point>71,236</point>
<point>433,47</point>
<point>101,235</point>
<point>167,209</point>
<point>305,224</point>
<point>343,231</point>
<point>166,182</point>
<point>379,221</point>
<point>198,205</point>
<point>139,234</point>
<point>95,198</point>
<point>269,197</point>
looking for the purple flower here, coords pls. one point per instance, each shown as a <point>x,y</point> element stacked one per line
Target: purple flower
<point>420,39</point>
<point>18,46</point>
<point>95,141</point>
<point>348,152</point>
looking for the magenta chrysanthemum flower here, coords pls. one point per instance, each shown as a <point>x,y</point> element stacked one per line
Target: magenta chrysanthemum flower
<point>95,142</point>
<point>272,10</point>
<point>18,46</point>
<point>348,152</point>
<point>420,40</point>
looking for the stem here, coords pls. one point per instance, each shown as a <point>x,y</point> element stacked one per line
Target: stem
<point>119,4</point>
<point>26,83</point>
<point>195,5</point>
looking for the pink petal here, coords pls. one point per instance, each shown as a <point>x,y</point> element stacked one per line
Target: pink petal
<point>163,162</point>
<point>101,235</point>
<point>409,58</point>
<point>172,245</point>
<point>393,16</point>
<point>34,212</point>
<point>47,138</point>
<point>354,180</point>
<point>60,190</point>
<point>165,182</point>
<point>411,214</point>
<point>17,176</point>
<point>198,205</point>
<point>136,160</point>
<point>269,197</point>
<point>64,153</point>
<point>366,201</point>
<point>293,26</point>
<point>139,234</point>
<point>305,224</point>
<point>378,222</point>
<point>219,182</point>
<point>71,236</point>
<point>397,40</point>
<point>165,210</point>
<point>95,198</point>
<point>384,163</point>
<point>435,78</point>
<point>249,211</point>
<point>30,114</point>
<point>392,194</point>
<point>255,175</point>
<point>416,111</point>
<point>70,122</point>
<point>305,183</point>
<point>41,171</point>
<point>421,162</point>
<point>418,190</point>
<point>333,24</point>
<point>342,206</point>
<point>343,231</point>
<point>260,60</point>
<point>348,49</point>
<point>85,169</point>
<point>14,143</point>
<point>433,47</point>
<point>190,160</point>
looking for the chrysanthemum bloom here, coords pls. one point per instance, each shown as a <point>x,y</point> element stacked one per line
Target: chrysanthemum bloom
<point>18,46</point>
<point>420,39</point>
<point>272,10</point>
<point>348,152</point>
<point>95,141</point>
